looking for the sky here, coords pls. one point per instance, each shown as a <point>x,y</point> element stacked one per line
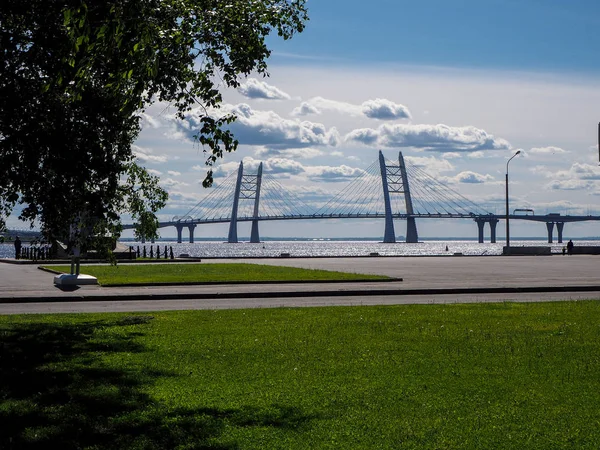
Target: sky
<point>457,86</point>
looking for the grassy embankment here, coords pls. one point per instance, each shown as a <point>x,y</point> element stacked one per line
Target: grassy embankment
<point>467,376</point>
<point>206,273</point>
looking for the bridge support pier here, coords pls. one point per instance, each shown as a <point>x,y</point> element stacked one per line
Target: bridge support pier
<point>480,225</point>
<point>493,223</point>
<point>559,228</point>
<point>191,227</point>
<point>179,232</point>
<point>480,228</point>
<point>550,227</point>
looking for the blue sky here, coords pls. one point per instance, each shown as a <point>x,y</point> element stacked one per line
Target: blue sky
<point>500,34</point>
<point>458,87</point>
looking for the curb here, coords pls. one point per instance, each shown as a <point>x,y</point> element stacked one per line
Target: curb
<point>241,283</point>
<point>295,294</point>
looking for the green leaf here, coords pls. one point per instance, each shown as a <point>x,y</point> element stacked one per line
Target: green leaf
<point>67,17</point>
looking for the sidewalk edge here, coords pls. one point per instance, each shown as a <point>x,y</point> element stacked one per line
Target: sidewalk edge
<point>293,294</point>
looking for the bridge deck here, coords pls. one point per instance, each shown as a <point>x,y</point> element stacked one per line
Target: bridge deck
<point>548,218</point>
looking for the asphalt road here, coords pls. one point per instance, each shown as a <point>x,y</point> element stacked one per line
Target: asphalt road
<point>281,302</point>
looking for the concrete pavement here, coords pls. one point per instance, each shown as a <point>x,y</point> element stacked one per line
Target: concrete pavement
<point>422,276</point>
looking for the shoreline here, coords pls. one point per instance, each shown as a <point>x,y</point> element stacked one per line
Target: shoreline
<point>331,249</point>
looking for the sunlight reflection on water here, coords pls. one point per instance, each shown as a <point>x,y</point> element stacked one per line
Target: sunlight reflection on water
<point>214,249</point>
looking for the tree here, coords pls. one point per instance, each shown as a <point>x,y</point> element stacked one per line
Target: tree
<point>75,76</point>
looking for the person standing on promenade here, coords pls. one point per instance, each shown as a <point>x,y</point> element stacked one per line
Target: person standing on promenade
<point>570,247</point>
<point>17,247</point>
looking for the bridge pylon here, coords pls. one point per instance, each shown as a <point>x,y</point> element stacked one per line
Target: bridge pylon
<point>395,181</point>
<point>254,234</point>
<point>247,187</point>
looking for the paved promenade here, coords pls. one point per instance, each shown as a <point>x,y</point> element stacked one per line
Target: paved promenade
<point>425,279</point>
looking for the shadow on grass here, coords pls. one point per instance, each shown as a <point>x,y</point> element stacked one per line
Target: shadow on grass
<point>56,392</point>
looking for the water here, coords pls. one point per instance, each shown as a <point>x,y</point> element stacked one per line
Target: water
<point>307,248</point>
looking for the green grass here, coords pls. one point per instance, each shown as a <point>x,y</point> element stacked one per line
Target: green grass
<point>471,376</point>
<point>207,273</point>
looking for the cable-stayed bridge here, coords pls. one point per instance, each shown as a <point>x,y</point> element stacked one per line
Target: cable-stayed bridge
<point>386,189</point>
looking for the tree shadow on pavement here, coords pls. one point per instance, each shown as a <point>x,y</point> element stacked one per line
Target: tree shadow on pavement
<point>56,392</point>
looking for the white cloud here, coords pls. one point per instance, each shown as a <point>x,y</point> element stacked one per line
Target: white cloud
<point>283,166</point>
<point>145,155</point>
<point>274,166</point>
<point>266,128</point>
<point>586,171</point>
<point>570,185</point>
<point>378,108</point>
<point>577,171</point>
<point>578,177</point>
<point>151,158</point>
<point>226,168</point>
<point>550,154</point>
<point>254,88</point>
<point>305,109</point>
<point>439,138</point>
<point>173,173</point>
<point>367,136</point>
<point>472,177</point>
<point>333,174</point>
<point>148,121</point>
<point>383,109</point>
<point>476,155</point>
<point>180,199</point>
<point>169,182</point>
<point>452,155</point>
<point>547,150</point>
<point>295,153</point>
<point>324,104</point>
<point>543,171</point>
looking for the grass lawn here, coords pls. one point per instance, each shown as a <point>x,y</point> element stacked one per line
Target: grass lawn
<point>462,376</point>
<point>206,273</point>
